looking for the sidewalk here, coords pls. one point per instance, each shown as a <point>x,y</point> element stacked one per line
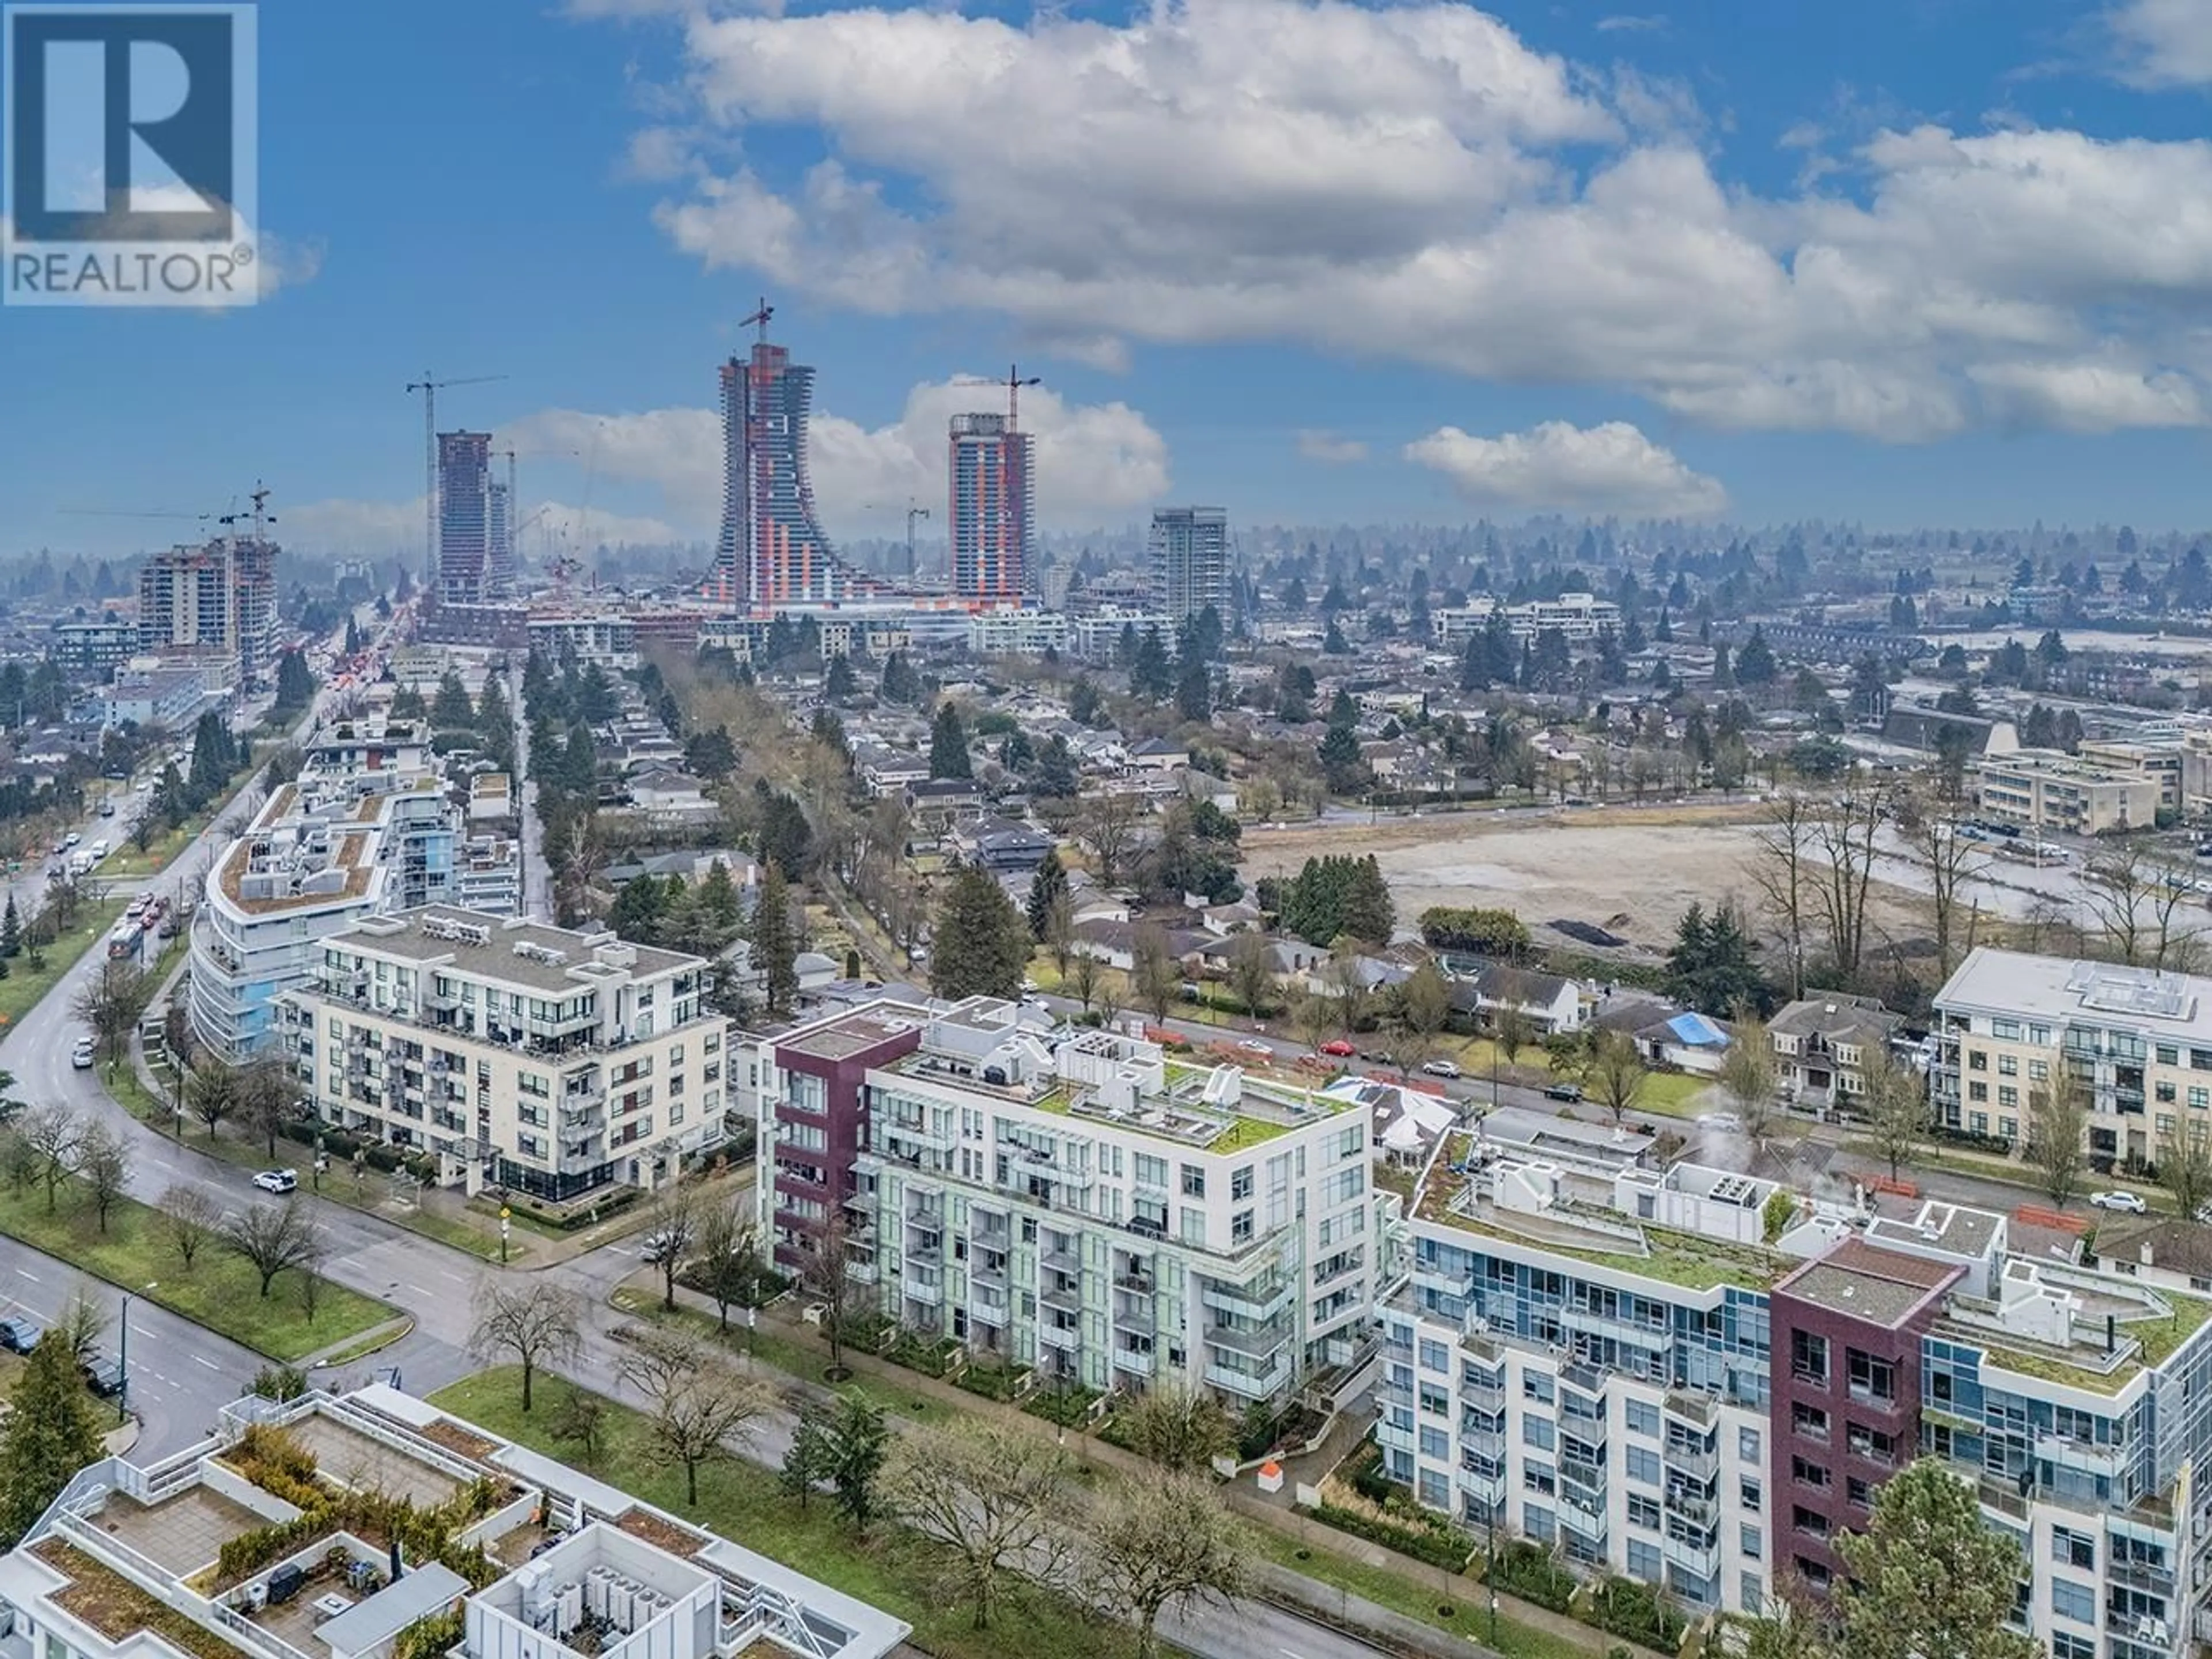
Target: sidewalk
<point>1278,1513</point>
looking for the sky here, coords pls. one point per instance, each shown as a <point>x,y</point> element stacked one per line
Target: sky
<point>1901,262</point>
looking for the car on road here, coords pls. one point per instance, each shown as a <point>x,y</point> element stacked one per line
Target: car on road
<point>1441,1069</point>
<point>656,1247</point>
<point>107,809</point>
<point>71,839</point>
<point>1563,1091</point>
<point>1338,1049</point>
<point>277,1180</point>
<point>18,1335</point>
<point>1253,1046</point>
<point>2128,1202</point>
<point>103,1376</point>
<point>81,1055</point>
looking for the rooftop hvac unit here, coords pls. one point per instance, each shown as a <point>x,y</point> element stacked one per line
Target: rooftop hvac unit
<point>568,1603</point>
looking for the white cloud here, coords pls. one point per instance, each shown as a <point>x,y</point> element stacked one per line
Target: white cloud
<point>1315,445</point>
<point>365,528</point>
<point>2163,43</point>
<point>2088,397</point>
<point>1608,468</point>
<point>1626,23</point>
<point>1092,458</point>
<point>1417,183</point>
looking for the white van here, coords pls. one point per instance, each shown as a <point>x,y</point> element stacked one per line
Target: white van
<point>99,849</point>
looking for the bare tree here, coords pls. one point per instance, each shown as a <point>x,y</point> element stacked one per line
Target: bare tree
<point>1251,970</point>
<point>1109,827</point>
<point>265,1090</point>
<point>51,1138</point>
<point>1157,978</point>
<point>190,1219</point>
<point>271,1237</point>
<point>1059,931</point>
<point>536,1322</point>
<point>1954,864</point>
<point>1347,985</point>
<point>1511,1030</point>
<point>110,1003</point>
<point>2184,1170</point>
<point>1109,997</point>
<point>729,1266</point>
<point>995,1494</point>
<point>672,1225</point>
<point>1844,842</point>
<point>695,1406</point>
<point>1315,1018</point>
<point>2058,1123</point>
<point>1184,1430</point>
<point>829,1280</point>
<point>1783,870</point>
<point>103,1160</point>
<point>1749,1076</point>
<point>1164,1543</point>
<point>79,1328</point>
<point>2134,901</point>
<point>1420,1006</point>
<point>1083,975</point>
<point>1616,1073</point>
<point>210,1092</point>
<point>1896,1107</point>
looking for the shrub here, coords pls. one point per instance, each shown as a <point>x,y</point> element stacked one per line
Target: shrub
<point>1528,1571</point>
<point>1068,1407</point>
<point>1625,1606</point>
<point>1437,1546</point>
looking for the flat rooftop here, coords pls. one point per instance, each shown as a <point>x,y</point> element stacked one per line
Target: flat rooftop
<point>553,959</point>
<point>2017,984</point>
<point>852,1033</point>
<point>1882,1287</point>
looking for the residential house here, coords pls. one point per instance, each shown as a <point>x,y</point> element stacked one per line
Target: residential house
<point>1547,1001</point>
<point>939,803</point>
<point>1822,1043</point>
<point>1159,755</point>
<point>999,845</point>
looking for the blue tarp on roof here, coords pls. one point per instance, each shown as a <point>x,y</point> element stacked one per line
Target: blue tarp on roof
<point>1696,1031</point>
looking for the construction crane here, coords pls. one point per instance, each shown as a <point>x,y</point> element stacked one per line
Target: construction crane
<point>912,513</point>
<point>429,385</point>
<point>1013,383</point>
<point>762,313</point>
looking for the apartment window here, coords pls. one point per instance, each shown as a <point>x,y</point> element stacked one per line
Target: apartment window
<point>2198,1098</point>
<point>1873,1444</point>
<point>1810,1523</point>
<point>2069,1548</point>
<point>1808,1358</point>
<point>1435,1445</point>
<point>1536,1385</point>
<point>1871,1378</point>
<point>1642,1418</point>
<point>2064,1645</point>
<point>1808,1422</point>
<point>1240,1182</point>
<point>1977,1059</point>
<point>1809,1475</point>
<point>2040,1035</point>
<point>1240,1227</point>
<point>1193,1181</point>
<point>1747,1445</point>
<point>1152,1171</point>
<point>1643,1561</point>
<point>1753,1589</point>
<point>1435,1357</point>
<point>1748,1541</point>
<point>1538,1431</point>
<point>1751,1496</point>
<point>2200,1060</point>
<point>1643,1511</point>
<point>2071,1600</point>
<point>2005,1029</point>
<point>530,1082</point>
<point>2039,1071</point>
<point>2007,1065</point>
<point>1435,1401</point>
<point>2007,1097</point>
<point>1858,1493</point>
<point>1538,1477</point>
<point>1644,1466</point>
<point>2169,1053</point>
<point>1978,1092</point>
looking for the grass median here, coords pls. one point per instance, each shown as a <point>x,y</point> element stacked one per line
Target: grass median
<point>26,985</point>
<point>888,1567</point>
<point>220,1290</point>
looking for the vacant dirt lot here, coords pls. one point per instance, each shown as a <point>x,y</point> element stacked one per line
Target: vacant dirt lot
<point>1632,874</point>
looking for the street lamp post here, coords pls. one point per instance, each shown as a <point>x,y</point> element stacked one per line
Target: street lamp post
<point>123,1353</point>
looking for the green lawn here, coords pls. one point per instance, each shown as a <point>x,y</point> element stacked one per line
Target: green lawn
<point>803,1358</point>
<point>221,1291</point>
<point>1418,1592</point>
<point>25,986</point>
<point>889,1568</point>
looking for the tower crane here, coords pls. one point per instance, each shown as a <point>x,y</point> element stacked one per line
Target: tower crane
<point>429,385</point>
<point>762,313</point>
<point>1013,383</point>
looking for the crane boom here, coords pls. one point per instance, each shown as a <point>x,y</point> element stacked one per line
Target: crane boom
<point>1013,383</point>
<point>762,313</point>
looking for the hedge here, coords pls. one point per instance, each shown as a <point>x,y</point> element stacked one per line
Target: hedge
<point>1528,1571</point>
<point>1436,1546</point>
<point>1625,1607</point>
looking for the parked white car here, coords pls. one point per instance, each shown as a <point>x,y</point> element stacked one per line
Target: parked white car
<point>2126,1202</point>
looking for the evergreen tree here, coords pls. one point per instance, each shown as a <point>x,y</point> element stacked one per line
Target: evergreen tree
<point>948,746</point>
<point>1152,674</point>
<point>775,941</point>
<point>51,1435</point>
<point>450,709</point>
<point>635,915</point>
<point>1049,883</point>
<point>1368,914</point>
<point>1928,1575</point>
<point>839,684</point>
<point>1194,694</point>
<point>296,682</point>
<point>11,930</point>
<point>718,901</point>
<point>1711,967</point>
<point>981,943</point>
<point>1754,664</point>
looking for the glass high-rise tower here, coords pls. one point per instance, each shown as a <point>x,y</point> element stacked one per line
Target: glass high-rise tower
<point>993,503</point>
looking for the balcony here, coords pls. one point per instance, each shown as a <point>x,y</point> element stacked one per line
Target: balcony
<point>1061,1258</point>
<point>1135,1314</point>
<point>1483,1400</point>
<point>1135,1362</point>
<point>1255,1302</point>
<point>1067,1296</point>
<point>989,1270</point>
<point>1487,1491</point>
<point>1654,1339</point>
<point>1699,1408</point>
<point>2151,1579</point>
<point>1698,1465</point>
<point>1700,1560</point>
<point>1250,1385</point>
<point>1257,1342</point>
<point>929,1296</point>
<point>1065,1338</point>
<point>1136,1284</point>
<point>988,1313</point>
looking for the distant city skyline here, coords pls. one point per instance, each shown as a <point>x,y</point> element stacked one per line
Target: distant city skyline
<point>1700,261</point>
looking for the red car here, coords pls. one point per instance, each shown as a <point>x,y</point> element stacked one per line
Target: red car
<point>1339,1049</point>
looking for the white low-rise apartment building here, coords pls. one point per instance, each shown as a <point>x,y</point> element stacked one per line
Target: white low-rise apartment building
<point>548,1062</point>
<point>1079,1202</point>
<point>186,1557</point>
<point>322,853</point>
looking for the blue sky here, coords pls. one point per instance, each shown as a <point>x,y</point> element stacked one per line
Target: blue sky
<point>1906,261</point>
